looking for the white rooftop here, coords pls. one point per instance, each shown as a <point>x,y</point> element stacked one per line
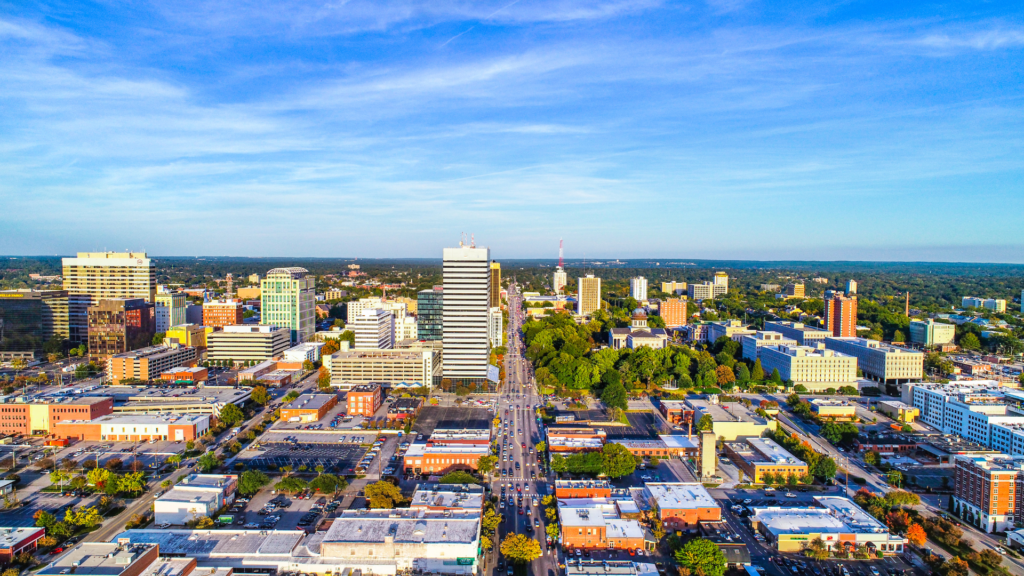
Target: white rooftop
<point>839,515</point>
<point>405,526</point>
<point>680,495</point>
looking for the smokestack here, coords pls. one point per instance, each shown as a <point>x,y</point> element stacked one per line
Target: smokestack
<point>231,286</point>
<point>906,307</point>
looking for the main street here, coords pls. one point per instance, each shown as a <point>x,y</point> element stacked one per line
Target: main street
<point>519,478</point>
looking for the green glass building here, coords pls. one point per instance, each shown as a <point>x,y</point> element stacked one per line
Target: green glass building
<point>288,299</point>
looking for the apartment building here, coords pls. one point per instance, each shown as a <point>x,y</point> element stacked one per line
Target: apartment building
<point>169,308</point>
<point>752,343</point>
<point>676,288</point>
<point>990,304</point>
<point>804,335</point>
<point>731,329</point>
<point>221,313</point>
<point>398,308</point>
<point>411,368</point>
<point>288,299</point>
<point>794,290</point>
<point>95,276</point>
<point>364,399</point>
<point>988,491</point>
<point>588,298</point>
<point>559,280</point>
<point>494,295</point>
<point>247,343</point>
<point>430,322</point>
<point>931,333</point>
<point>674,312</point>
<point>879,361</point>
<point>638,288</point>
<point>815,368</point>
<point>30,318</point>
<point>120,324</point>
<point>760,456</point>
<point>149,362</point>
<point>374,329</point>
<point>840,314</point>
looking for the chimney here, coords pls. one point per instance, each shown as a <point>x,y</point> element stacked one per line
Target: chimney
<point>906,307</point>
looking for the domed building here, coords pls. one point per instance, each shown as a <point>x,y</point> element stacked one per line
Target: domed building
<point>638,334</point>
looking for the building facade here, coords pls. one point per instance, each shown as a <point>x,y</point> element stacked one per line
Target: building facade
<point>494,296</point>
<point>430,305</point>
<point>559,280</point>
<point>374,329</point>
<point>802,334</point>
<point>840,314</point>
<point>94,276</point>
<point>247,343</point>
<point>148,363</point>
<point>682,505</point>
<point>495,327</point>
<point>588,298</point>
<point>881,362</point>
<point>29,319</point>
<point>169,308</point>
<point>795,290</point>
<point>408,368</point>
<point>364,399</point>
<point>815,368</point>
<point>674,312</point>
<point>288,299</point>
<point>761,456</point>
<point>638,288</point>
<point>309,408</point>
<point>467,275</point>
<point>752,343</point>
<point>987,491</point>
<point>119,325</point>
<point>931,333</point>
<point>221,313</point>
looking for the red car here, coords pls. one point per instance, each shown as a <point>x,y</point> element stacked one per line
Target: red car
<point>57,551</point>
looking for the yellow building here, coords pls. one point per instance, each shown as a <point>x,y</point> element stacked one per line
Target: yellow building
<point>760,456</point>
<point>248,293</point>
<point>839,410</point>
<point>494,298</point>
<point>588,299</point>
<point>193,335</point>
<point>899,411</point>
<point>731,420</point>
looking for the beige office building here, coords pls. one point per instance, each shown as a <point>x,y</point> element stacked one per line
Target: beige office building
<point>411,368</point>
<point>589,295</point>
<point>247,343</point>
<point>881,362</point>
<point>816,368</point>
<point>95,276</point>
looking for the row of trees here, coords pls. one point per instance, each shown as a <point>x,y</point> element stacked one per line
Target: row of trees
<point>614,461</point>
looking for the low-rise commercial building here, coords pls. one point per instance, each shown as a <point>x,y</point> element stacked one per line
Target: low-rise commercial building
<point>760,456</point>
<point>731,329</point>
<point>307,351</point>
<point>898,410</point>
<point>195,496</point>
<point>582,489</point>
<point>443,457</point>
<point>406,367</point>
<point>594,524</point>
<point>14,541</point>
<point>309,407</point>
<point>831,409</point>
<point>434,496</point>
<point>881,362</point>
<point>103,558</point>
<point>38,417</point>
<point>681,505</point>
<point>185,375</point>
<point>837,521</point>
<point>134,428</point>
<point>364,399</point>
<point>676,411</point>
<point>571,440</point>
<point>815,368</point>
<point>148,363</point>
<point>247,343</point>
<point>732,420</point>
<point>403,408</point>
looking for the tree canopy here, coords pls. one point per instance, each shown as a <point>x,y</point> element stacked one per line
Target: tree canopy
<point>383,495</point>
<point>617,461</point>
<point>701,556</point>
<point>520,549</point>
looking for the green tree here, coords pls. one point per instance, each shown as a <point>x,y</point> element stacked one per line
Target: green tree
<point>701,556</point>
<point>705,423</point>
<point>260,395</point>
<point>328,483</point>
<point>872,458</point>
<point>970,342</point>
<point>44,519</point>
<point>742,373</point>
<point>617,461</point>
<point>776,377</point>
<point>209,460</point>
<point>383,495</point>
<point>132,483</point>
<point>231,415</point>
<point>486,464</point>
<point>460,477</point>
<point>614,396</point>
<point>251,481</point>
<point>816,549</point>
<point>558,463</point>
<point>174,459</point>
<point>757,373</point>
<point>291,484</point>
<point>825,467</point>
<point>520,549</point>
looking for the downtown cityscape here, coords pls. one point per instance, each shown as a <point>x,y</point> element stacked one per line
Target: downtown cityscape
<point>511,288</point>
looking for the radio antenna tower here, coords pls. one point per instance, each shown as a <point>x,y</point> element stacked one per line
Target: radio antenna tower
<point>561,262</point>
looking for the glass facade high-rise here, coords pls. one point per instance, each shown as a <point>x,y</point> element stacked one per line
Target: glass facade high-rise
<point>430,311</point>
<point>288,299</point>
<point>28,319</point>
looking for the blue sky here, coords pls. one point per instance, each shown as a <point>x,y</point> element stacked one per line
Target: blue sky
<point>709,129</point>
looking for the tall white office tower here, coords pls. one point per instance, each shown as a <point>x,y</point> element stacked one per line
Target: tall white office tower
<point>467,274</point>
<point>375,329</point>
<point>638,288</point>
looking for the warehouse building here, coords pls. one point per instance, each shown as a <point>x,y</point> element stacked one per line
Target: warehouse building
<point>309,407</point>
<point>196,496</point>
<point>760,456</point>
<point>838,521</point>
<point>135,428</point>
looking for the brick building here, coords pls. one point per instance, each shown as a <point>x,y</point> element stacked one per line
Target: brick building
<point>364,399</point>
<point>682,504</point>
<point>149,362</point>
<point>309,407</point>
<point>39,417</point>
<point>134,428</point>
<point>221,313</point>
<point>582,489</point>
<point>14,541</point>
<point>988,490</point>
<point>595,524</point>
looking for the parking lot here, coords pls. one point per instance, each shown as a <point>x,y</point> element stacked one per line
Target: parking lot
<point>151,455</point>
<point>52,503</point>
<point>336,457</point>
<point>445,417</point>
<point>268,510</point>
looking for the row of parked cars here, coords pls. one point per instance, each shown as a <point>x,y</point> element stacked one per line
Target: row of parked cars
<point>370,455</point>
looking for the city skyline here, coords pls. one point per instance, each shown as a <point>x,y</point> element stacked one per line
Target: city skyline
<point>735,129</point>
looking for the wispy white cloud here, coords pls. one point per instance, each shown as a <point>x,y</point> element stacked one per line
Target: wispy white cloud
<point>993,39</point>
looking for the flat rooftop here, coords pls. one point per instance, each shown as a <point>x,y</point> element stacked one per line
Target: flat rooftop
<point>680,495</point>
<point>468,496</point>
<point>12,536</point>
<point>208,480</point>
<point>834,516</point>
<point>726,411</point>
<point>406,526</point>
<point>772,452</point>
<point>145,419</point>
<point>582,484</point>
<point>196,495</point>
<point>171,567</point>
<point>422,449</point>
<point>206,544</point>
<point>100,558</point>
<point>310,402</point>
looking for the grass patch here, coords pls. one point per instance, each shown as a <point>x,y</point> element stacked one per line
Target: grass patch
<point>711,484</point>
